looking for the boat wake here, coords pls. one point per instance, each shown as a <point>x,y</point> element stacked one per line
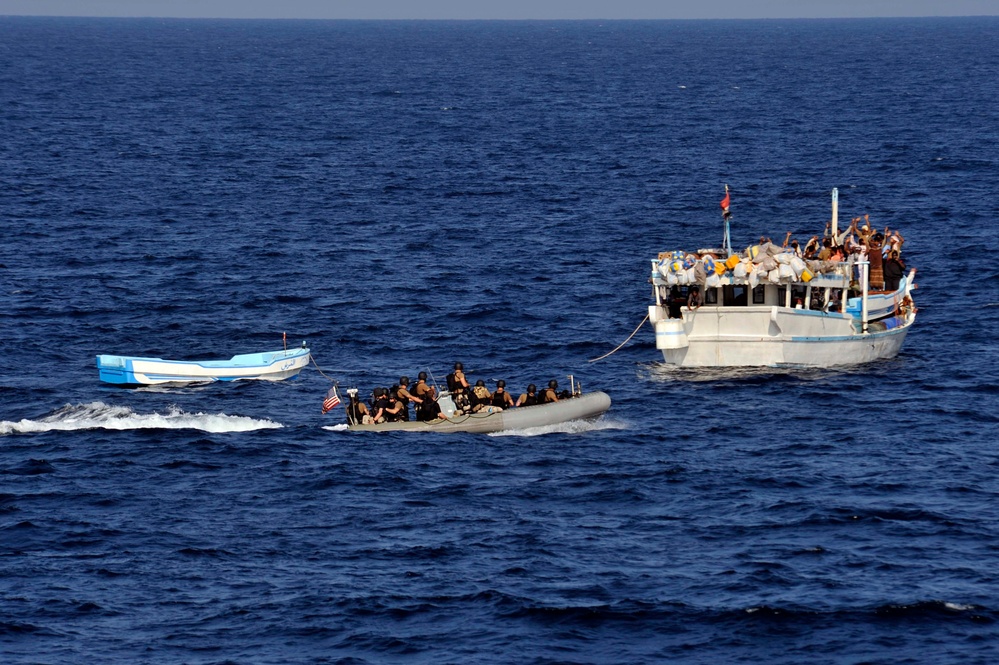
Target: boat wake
<point>342,427</point>
<point>660,372</point>
<point>570,427</point>
<point>98,415</point>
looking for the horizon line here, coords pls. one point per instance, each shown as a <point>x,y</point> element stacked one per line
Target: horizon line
<point>498,20</point>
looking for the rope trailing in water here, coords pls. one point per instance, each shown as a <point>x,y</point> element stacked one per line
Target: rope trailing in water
<point>622,343</point>
<point>330,379</point>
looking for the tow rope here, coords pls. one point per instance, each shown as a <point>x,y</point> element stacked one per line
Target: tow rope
<point>330,379</point>
<point>622,343</point>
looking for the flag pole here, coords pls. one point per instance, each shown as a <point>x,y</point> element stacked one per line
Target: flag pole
<point>727,240</point>
<point>835,213</point>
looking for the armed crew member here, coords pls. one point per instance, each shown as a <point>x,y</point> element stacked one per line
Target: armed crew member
<point>394,412</point>
<point>380,404</point>
<point>405,397</point>
<point>357,412</point>
<point>422,395</point>
<point>530,398</point>
<point>458,386</point>
<point>430,409</point>
<point>479,396</point>
<point>550,395</point>
<point>501,398</point>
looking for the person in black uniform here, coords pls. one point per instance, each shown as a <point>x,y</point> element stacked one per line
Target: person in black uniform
<point>501,398</point>
<point>430,409</point>
<point>530,398</point>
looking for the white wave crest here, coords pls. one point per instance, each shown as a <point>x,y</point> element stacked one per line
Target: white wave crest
<point>98,415</point>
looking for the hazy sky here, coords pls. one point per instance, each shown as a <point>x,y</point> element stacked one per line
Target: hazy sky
<point>502,9</point>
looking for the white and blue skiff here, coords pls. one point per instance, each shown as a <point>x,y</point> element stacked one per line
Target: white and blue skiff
<point>266,366</point>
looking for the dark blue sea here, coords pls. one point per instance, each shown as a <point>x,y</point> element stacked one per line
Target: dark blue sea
<point>404,195</point>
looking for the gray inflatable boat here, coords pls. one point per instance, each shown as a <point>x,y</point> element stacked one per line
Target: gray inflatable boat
<point>587,406</point>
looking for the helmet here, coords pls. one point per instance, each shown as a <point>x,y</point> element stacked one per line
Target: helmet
<point>553,384</point>
<point>480,382</point>
<point>403,381</point>
<point>501,384</point>
<point>458,366</point>
<point>532,388</point>
<point>422,376</point>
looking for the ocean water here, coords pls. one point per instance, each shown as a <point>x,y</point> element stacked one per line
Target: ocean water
<point>402,195</point>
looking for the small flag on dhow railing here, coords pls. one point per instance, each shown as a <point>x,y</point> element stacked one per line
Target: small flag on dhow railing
<point>332,400</point>
<point>725,203</point>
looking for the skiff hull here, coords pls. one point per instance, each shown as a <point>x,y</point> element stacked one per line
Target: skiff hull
<point>264,366</point>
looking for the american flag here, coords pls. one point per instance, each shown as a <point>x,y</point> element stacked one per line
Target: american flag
<point>332,400</point>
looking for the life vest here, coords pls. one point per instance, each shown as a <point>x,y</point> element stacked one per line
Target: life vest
<point>501,398</point>
<point>402,399</point>
<point>354,414</point>
<point>429,410</point>
<point>531,400</point>
<point>453,384</point>
<point>380,404</point>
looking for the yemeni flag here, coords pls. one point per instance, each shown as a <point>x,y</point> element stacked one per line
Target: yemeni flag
<point>724,203</point>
